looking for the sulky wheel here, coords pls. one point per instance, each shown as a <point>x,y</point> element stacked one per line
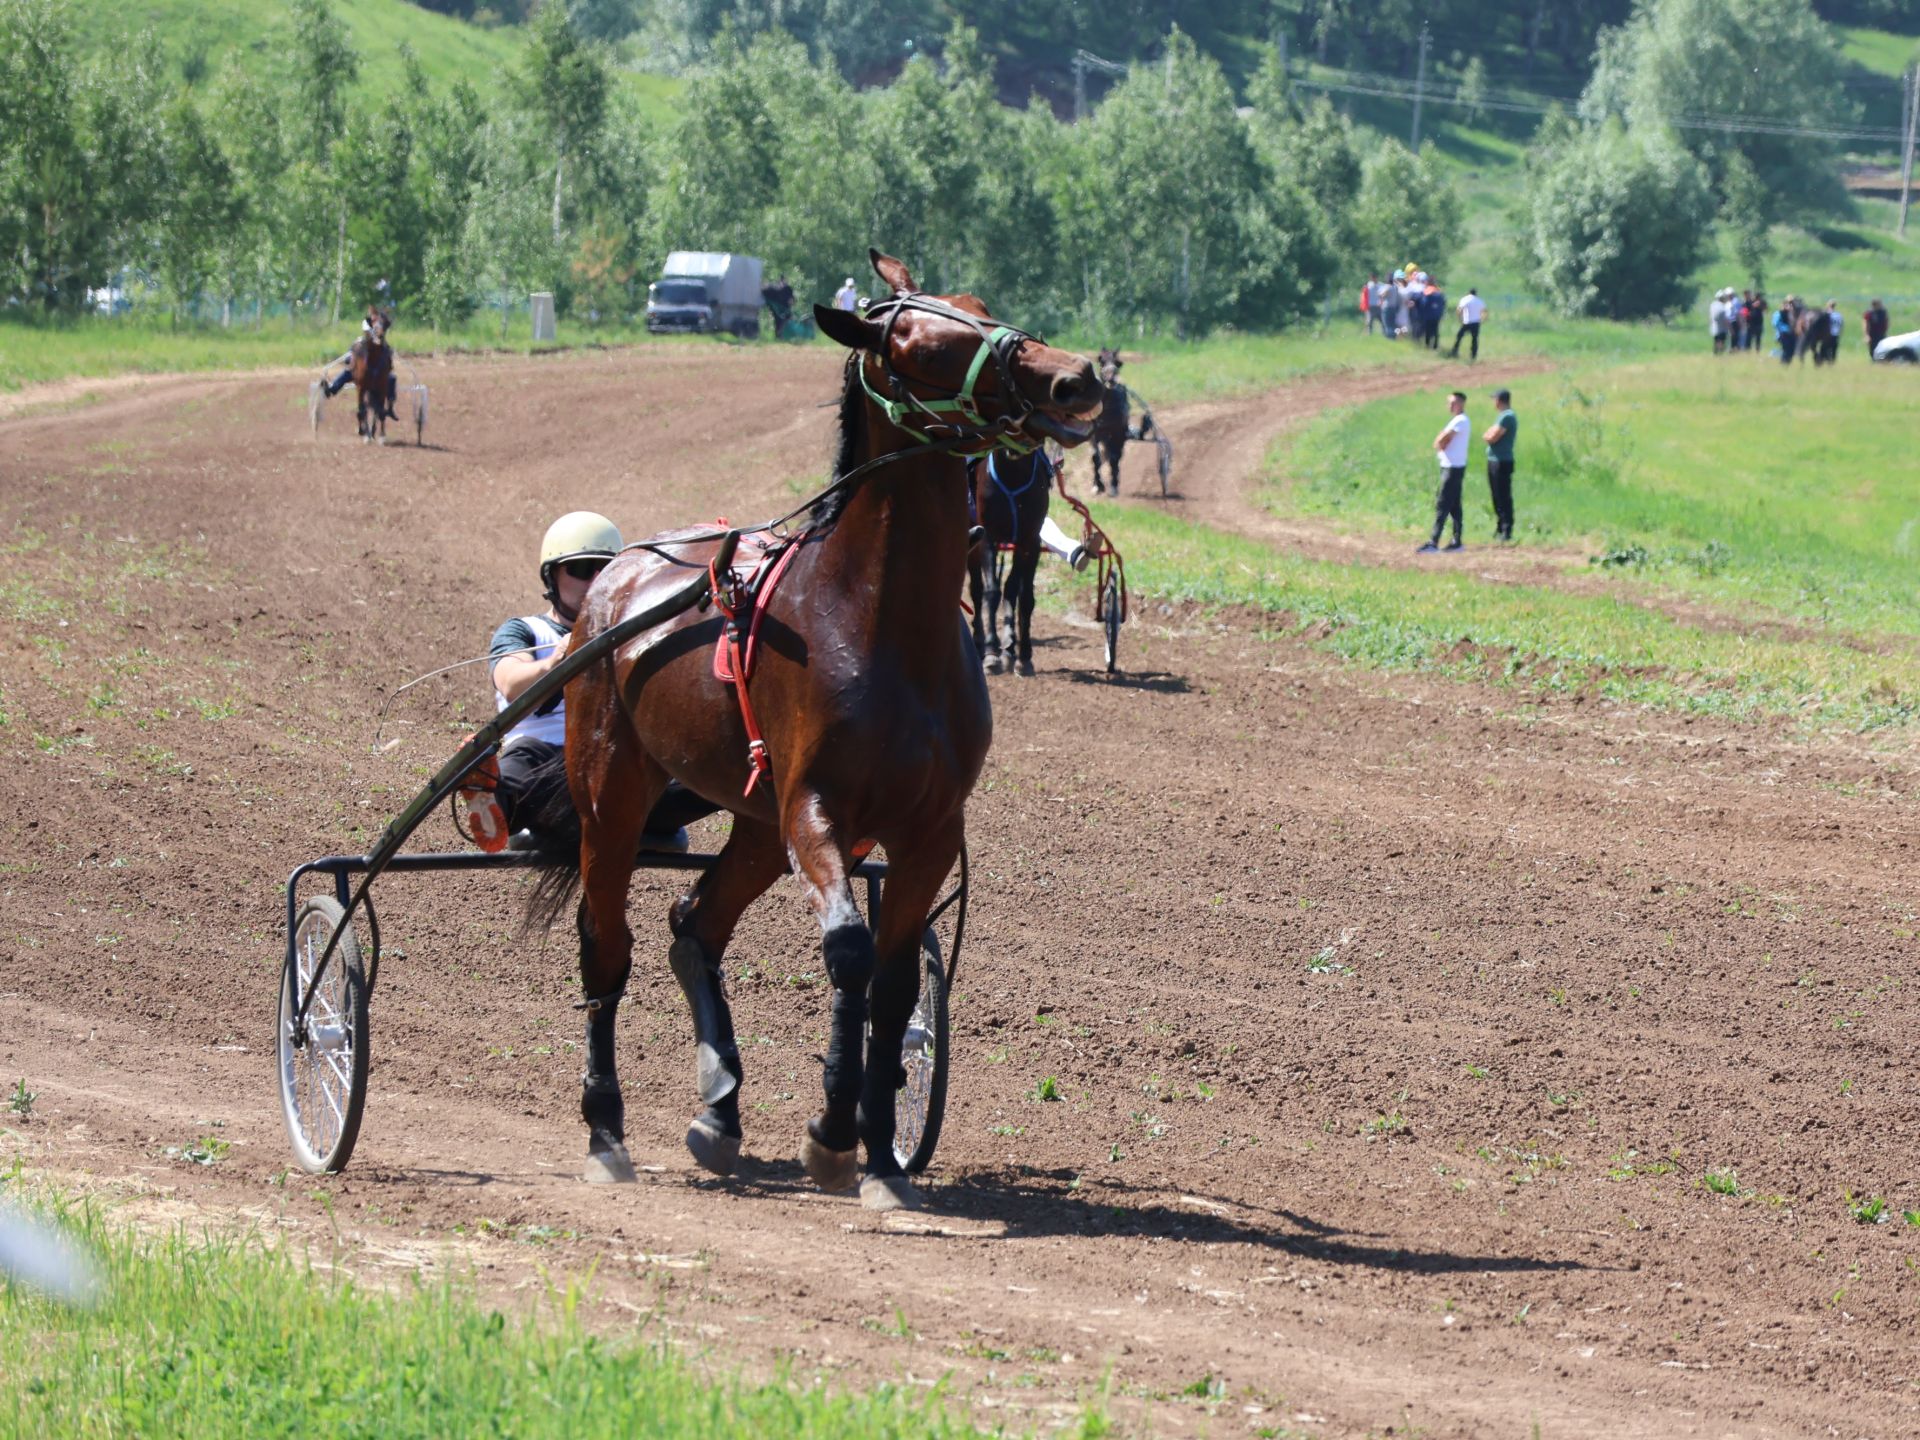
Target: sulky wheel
<point>922,1102</point>
<point>420,415</point>
<point>1111,602</point>
<point>316,402</point>
<point>323,1075</point>
<point>1165,447</point>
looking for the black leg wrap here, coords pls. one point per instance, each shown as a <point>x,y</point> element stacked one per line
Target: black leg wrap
<point>850,961</point>
<point>718,1068</point>
<point>603,1110</point>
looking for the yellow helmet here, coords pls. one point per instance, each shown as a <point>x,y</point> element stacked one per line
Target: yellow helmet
<point>576,536</point>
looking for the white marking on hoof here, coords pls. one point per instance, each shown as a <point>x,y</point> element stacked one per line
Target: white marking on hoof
<point>611,1168</point>
<point>712,1148</point>
<point>832,1170</point>
<point>889,1192</point>
<point>996,663</point>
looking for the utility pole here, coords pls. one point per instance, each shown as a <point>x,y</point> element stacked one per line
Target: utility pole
<point>1912,112</point>
<point>1083,61</point>
<point>1420,83</point>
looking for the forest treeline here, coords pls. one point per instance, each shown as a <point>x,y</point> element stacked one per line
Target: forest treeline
<point>1177,203</point>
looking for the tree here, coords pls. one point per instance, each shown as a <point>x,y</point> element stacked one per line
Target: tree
<point>1617,223</point>
<point>1744,216</point>
<point>507,246</point>
<point>1686,63</point>
<point>1407,210</point>
<point>561,81</point>
<point>201,203</point>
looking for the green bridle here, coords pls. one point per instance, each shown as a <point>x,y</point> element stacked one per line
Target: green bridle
<point>956,411</point>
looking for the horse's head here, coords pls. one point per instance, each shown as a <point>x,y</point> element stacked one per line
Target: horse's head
<point>1109,364</point>
<point>378,321</point>
<point>943,366</point>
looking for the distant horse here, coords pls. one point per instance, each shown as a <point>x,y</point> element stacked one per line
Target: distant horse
<point>866,720</point>
<point>1111,428</point>
<point>371,362</point>
<point>1010,495</point>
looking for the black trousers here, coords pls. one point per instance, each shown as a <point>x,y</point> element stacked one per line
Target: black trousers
<point>1468,328</point>
<point>1446,505</point>
<point>1500,482</point>
<point>533,793</point>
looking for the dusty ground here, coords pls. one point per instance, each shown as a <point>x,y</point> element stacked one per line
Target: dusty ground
<point>1399,1023</point>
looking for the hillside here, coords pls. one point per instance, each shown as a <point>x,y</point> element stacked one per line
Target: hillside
<point>197,34</point>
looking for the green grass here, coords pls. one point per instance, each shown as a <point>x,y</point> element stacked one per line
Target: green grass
<point>1742,482</point>
<point>1880,52</point>
<point>447,48</point>
<point>33,351</point>
<point>213,1338</point>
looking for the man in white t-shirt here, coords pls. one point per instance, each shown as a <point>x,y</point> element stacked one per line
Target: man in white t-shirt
<point>1450,445</point>
<point>846,297</point>
<point>1472,309</point>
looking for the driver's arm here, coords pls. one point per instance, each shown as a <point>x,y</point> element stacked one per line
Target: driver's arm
<point>512,674</point>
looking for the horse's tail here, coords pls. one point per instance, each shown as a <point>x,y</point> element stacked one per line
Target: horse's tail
<point>554,838</point>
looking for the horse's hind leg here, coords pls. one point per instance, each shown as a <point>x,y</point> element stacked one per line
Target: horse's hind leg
<point>976,585</point>
<point>830,1150</point>
<point>703,921</point>
<point>912,882</point>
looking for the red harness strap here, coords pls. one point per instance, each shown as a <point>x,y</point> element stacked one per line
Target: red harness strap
<point>743,603</point>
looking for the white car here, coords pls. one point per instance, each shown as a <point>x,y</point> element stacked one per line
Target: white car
<point>1900,349</point>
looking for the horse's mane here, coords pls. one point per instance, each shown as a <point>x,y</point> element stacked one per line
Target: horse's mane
<point>853,432</point>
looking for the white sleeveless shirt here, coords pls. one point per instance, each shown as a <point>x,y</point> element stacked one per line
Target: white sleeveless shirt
<point>548,724</point>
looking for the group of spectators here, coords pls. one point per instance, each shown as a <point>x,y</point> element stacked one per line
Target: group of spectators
<point>1741,320</point>
<point>1413,305</point>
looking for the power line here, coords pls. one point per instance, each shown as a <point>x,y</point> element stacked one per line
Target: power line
<point>1386,87</point>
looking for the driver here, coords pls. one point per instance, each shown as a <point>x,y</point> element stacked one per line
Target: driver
<point>533,778</point>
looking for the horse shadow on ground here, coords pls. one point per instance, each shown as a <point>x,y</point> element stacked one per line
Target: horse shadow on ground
<point>1029,1203</point>
<point>1158,682</point>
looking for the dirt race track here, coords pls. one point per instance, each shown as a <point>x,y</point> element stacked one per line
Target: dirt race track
<point>1398,1023</point>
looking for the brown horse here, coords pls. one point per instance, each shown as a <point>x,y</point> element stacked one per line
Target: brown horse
<point>1011,494</point>
<point>1112,428</point>
<point>372,369</point>
<point>872,717</point>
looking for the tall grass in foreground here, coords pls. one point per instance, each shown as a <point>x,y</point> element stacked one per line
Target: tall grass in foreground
<point>220,1338</point>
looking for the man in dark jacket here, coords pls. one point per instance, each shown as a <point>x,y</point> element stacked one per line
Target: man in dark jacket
<point>1875,321</point>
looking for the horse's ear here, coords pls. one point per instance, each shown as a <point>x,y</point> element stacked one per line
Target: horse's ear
<point>894,272</point>
<point>851,330</point>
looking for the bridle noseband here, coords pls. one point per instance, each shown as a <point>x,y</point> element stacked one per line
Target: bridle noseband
<point>998,342</point>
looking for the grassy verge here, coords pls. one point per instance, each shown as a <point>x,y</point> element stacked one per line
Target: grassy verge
<point>1740,482</point>
<point>1535,641</point>
<point>33,351</point>
<point>224,1338</point>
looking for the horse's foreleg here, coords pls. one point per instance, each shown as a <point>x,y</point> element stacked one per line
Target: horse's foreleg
<point>1097,446</point>
<point>994,663</point>
<point>614,786</point>
<point>703,921</point>
<point>820,854</point>
<point>1025,565</point>
<point>976,586</point>
<point>913,880</point>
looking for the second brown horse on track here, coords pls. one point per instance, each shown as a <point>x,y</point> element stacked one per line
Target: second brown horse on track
<point>874,715</point>
<point>371,365</point>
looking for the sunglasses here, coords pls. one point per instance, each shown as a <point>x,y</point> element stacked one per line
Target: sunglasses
<point>584,569</point>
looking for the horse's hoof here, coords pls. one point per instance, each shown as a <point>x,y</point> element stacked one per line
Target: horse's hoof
<point>711,1147</point>
<point>1025,667</point>
<point>610,1167</point>
<point>889,1192</point>
<point>995,663</point>
<point>832,1170</point>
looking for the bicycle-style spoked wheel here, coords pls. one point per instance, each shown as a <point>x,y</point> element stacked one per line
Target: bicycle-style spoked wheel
<point>922,1102</point>
<point>316,403</point>
<point>1110,602</point>
<point>323,1074</point>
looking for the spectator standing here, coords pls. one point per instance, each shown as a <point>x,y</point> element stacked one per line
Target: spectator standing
<point>846,297</point>
<point>1369,304</point>
<point>1499,438</point>
<point>1450,445</point>
<point>1875,321</point>
<point>1717,322</point>
<point>1756,320</point>
<point>1390,308</point>
<point>1835,323</point>
<point>1783,330</point>
<point>1434,312</point>
<point>1472,310</point>
<point>1410,292</point>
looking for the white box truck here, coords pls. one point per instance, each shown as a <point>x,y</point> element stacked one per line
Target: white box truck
<point>705,291</point>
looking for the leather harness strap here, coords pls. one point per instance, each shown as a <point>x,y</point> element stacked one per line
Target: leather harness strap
<point>742,603</point>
